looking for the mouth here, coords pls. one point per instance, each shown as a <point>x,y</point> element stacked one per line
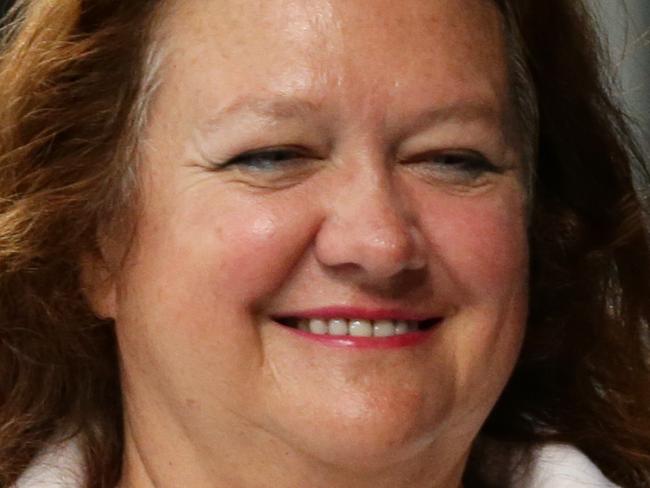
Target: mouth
<point>358,327</point>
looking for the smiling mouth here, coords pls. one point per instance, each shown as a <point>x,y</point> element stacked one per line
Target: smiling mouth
<point>342,327</point>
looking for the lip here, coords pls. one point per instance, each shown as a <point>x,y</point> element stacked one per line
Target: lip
<point>393,342</point>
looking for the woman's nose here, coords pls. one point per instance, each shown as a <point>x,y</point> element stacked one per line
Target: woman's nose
<point>370,231</point>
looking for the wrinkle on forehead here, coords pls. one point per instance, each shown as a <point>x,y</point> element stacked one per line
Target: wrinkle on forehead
<point>378,58</point>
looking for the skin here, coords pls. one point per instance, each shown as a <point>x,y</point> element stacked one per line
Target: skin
<point>373,96</point>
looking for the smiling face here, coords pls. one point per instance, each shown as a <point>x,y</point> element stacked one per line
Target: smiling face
<point>333,160</point>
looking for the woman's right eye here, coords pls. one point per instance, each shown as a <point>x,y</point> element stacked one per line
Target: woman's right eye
<point>265,160</point>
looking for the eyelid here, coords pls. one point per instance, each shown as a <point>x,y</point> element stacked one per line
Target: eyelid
<point>269,150</point>
<point>240,158</point>
<point>466,154</point>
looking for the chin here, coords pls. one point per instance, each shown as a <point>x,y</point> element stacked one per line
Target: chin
<point>367,439</point>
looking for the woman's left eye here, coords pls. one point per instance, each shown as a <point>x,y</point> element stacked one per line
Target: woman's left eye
<point>469,163</point>
<point>266,159</point>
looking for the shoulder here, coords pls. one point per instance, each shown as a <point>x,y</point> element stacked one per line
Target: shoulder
<point>561,466</point>
<point>59,466</point>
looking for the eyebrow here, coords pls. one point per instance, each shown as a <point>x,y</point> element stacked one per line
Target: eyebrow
<point>278,107</point>
<point>460,111</point>
<point>283,107</point>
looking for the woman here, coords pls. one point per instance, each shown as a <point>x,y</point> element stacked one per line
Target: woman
<point>318,243</point>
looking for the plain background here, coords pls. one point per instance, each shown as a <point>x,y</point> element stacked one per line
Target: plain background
<point>626,24</point>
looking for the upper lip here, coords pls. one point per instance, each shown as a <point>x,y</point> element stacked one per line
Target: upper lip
<point>347,312</point>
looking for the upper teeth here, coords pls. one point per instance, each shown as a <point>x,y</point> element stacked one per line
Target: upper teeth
<point>358,327</point>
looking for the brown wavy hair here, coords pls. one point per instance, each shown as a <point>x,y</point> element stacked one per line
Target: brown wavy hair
<point>75,77</point>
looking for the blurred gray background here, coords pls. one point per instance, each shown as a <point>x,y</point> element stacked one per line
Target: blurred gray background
<point>626,25</point>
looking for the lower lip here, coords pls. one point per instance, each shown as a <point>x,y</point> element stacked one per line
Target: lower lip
<point>393,342</point>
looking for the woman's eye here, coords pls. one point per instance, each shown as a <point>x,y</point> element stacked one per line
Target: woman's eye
<point>265,160</point>
<point>468,164</point>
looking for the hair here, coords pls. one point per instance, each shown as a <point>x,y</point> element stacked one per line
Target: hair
<point>75,79</point>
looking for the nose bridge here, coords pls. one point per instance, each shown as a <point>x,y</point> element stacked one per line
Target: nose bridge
<point>381,213</point>
<point>369,224</point>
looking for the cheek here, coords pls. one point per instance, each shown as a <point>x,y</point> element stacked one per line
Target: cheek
<point>482,245</point>
<point>481,242</point>
<point>223,250</point>
<point>202,262</point>
<point>261,244</point>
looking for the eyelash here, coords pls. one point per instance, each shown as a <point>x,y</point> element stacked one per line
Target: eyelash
<point>469,162</point>
<point>472,163</point>
<point>266,159</point>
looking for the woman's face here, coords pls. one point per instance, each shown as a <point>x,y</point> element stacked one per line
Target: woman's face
<point>323,159</point>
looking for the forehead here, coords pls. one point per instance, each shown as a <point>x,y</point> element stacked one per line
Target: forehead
<point>363,52</point>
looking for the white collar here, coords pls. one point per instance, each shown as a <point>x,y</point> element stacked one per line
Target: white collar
<point>59,466</point>
<point>553,466</point>
<point>561,466</point>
